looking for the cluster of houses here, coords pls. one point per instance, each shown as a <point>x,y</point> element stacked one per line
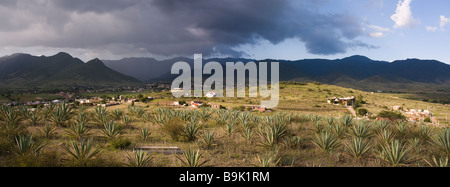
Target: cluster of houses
<point>411,114</point>
<point>197,104</point>
<point>416,115</point>
<point>208,94</point>
<point>346,101</point>
<point>94,101</point>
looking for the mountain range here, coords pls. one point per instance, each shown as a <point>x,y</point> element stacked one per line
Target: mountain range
<point>25,71</point>
<point>359,72</point>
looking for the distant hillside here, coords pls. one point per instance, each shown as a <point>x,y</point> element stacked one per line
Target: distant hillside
<point>357,72</point>
<point>24,70</point>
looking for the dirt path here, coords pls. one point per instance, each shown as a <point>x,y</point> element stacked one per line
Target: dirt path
<point>350,108</point>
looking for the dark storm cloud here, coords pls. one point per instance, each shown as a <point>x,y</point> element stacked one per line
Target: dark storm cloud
<point>177,27</point>
<point>98,6</point>
<point>234,22</point>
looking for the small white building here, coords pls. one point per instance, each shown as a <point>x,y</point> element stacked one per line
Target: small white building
<point>211,94</point>
<point>176,90</point>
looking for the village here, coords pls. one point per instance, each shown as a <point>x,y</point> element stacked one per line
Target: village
<point>412,115</point>
<point>137,96</point>
<point>74,100</point>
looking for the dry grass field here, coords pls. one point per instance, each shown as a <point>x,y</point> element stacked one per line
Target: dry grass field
<point>303,131</point>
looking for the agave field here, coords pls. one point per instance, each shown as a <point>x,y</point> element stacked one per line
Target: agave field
<point>65,136</point>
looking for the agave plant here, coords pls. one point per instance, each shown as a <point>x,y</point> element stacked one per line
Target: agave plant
<point>279,131</point>
<point>82,152</point>
<point>402,129</point>
<point>191,130</point>
<point>318,126</point>
<point>230,129</point>
<point>339,130</point>
<point>82,118</point>
<point>61,114</point>
<point>244,117</point>
<point>223,116</point>
<point>293,142</point>
<point>248,134</point>
<point>191,158</point>
<point>442,162</point>
<point>361,130</point>
<point>100,115</point>
<point>111,130</point>
<point>79,130</point>
<point>282,118</point>
<point>144,134</point>
<point>161,119</point>
<point>147,117</point>
<point>100,111</point>
<point>25,145</point>
<point>315,119</point>
<point>301,119</point>
<point>11,122</point>
<point>208,138</point>
<point>330,120</point>
<point>386,136</point>
<point>34,117</point>
<point>267,137</point>
<point>442,140</point>
<point>425,132</point>
<point>325,141</point>
<point>117,114</point>
<point>269,159</point>
<point>416,144</point>
<point>204,115</point>
<point>266,120</point>
<point>126,120</point>
<point>48,110</point>
<point>380,125</point>
<point>346,120</point>
<point>136,111</point>
<point>48,130</point>
<point>23,111</point>
<point>82,109</point>
<point>395,153</point>
<point>358,147</point>
<point>139,159</point>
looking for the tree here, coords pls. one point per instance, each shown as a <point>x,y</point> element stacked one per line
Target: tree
<point>393,116</point>
<point>358,102</point>
<point>362,111</point>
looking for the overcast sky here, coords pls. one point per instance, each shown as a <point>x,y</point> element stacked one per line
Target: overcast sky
<point>259,29</point>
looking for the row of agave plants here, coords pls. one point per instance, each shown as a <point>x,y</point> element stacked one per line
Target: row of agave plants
<point>76,122</point>
<point>390,142</point>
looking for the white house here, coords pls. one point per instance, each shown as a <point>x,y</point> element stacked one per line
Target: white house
<point>211,94</point>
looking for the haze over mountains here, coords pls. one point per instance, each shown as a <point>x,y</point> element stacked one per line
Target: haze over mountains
<point>359,72</point>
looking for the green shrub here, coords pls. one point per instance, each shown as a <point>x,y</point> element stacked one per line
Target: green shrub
<point>174,128</point>
<point>393,116</point>
<point>362,111</point>
<point>120,144</point>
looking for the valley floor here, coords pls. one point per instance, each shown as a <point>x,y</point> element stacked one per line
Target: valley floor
<point>303,131</point>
